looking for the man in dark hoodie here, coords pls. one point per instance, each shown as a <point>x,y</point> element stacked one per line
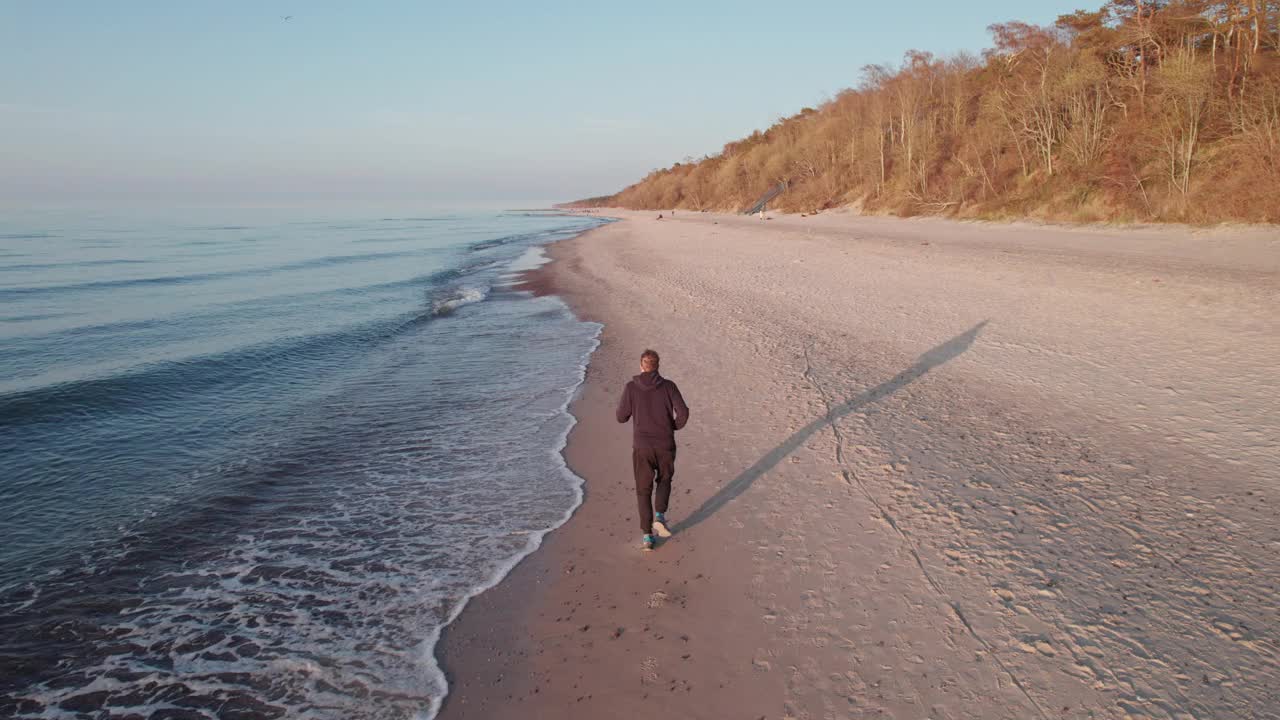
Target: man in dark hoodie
<point>659,410</point>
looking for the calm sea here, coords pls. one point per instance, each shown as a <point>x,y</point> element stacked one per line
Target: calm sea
<point>251,469</point>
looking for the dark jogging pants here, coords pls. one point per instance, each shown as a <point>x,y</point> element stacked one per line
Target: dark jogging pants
<point>653,467</point>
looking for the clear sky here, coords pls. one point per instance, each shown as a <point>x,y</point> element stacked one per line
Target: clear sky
<point>425,103</point>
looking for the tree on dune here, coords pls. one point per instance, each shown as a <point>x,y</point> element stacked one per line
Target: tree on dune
<point>1139,110</point>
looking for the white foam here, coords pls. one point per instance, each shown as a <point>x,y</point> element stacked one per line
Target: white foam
<point>463,296</point>
<point>531,259</point>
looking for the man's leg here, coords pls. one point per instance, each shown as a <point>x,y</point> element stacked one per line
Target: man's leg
<point>644,464</point>
<point>666,466</point>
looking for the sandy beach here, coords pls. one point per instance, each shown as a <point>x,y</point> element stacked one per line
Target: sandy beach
<point>934,470</point>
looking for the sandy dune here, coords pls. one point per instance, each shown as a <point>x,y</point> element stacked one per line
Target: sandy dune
<point>935,470</point>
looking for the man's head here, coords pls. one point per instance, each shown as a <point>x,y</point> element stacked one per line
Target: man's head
<point>648,361</point>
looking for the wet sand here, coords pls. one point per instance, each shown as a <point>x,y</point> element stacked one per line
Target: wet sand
<point>934,469</point>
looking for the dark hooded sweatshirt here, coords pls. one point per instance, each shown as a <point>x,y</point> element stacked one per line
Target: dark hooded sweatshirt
<point>658,408</point>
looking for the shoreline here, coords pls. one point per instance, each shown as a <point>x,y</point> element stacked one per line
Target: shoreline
<point>923,462</point>
<point>525,645</point>
<point>539,283</point>
<point>467,643</point>
<point>501,575</point>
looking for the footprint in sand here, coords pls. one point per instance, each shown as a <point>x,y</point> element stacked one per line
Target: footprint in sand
<point>649,670</point>
<point>1037,646</point>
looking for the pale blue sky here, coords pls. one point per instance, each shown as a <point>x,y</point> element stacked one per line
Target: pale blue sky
<point>420,103</point>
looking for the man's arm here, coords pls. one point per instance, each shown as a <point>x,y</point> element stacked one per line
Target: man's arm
<point>624,405</point>
<point>677,404</point>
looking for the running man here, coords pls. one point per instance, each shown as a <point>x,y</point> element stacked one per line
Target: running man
<point>659,410</point>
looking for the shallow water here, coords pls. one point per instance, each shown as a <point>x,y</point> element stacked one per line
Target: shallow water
<point>256,466</point>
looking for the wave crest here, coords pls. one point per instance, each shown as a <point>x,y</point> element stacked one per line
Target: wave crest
<point>455,298</point>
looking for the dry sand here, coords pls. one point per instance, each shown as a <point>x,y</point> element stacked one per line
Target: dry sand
<point>935,470</point>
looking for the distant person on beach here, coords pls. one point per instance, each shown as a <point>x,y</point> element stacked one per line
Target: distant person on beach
<point>659,411</point>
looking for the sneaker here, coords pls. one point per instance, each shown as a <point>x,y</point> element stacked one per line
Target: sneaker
<point>660,526</point>
<point>646,543</point>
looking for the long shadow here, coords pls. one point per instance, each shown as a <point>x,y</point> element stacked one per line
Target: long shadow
<point>933,358</point>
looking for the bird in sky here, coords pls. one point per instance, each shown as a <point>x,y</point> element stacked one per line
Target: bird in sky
<point>286,18</point>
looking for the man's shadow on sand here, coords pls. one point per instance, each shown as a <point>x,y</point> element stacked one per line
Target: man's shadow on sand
<point>943,353</point>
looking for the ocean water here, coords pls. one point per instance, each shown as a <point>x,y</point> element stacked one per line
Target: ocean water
<point>252,468</point>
